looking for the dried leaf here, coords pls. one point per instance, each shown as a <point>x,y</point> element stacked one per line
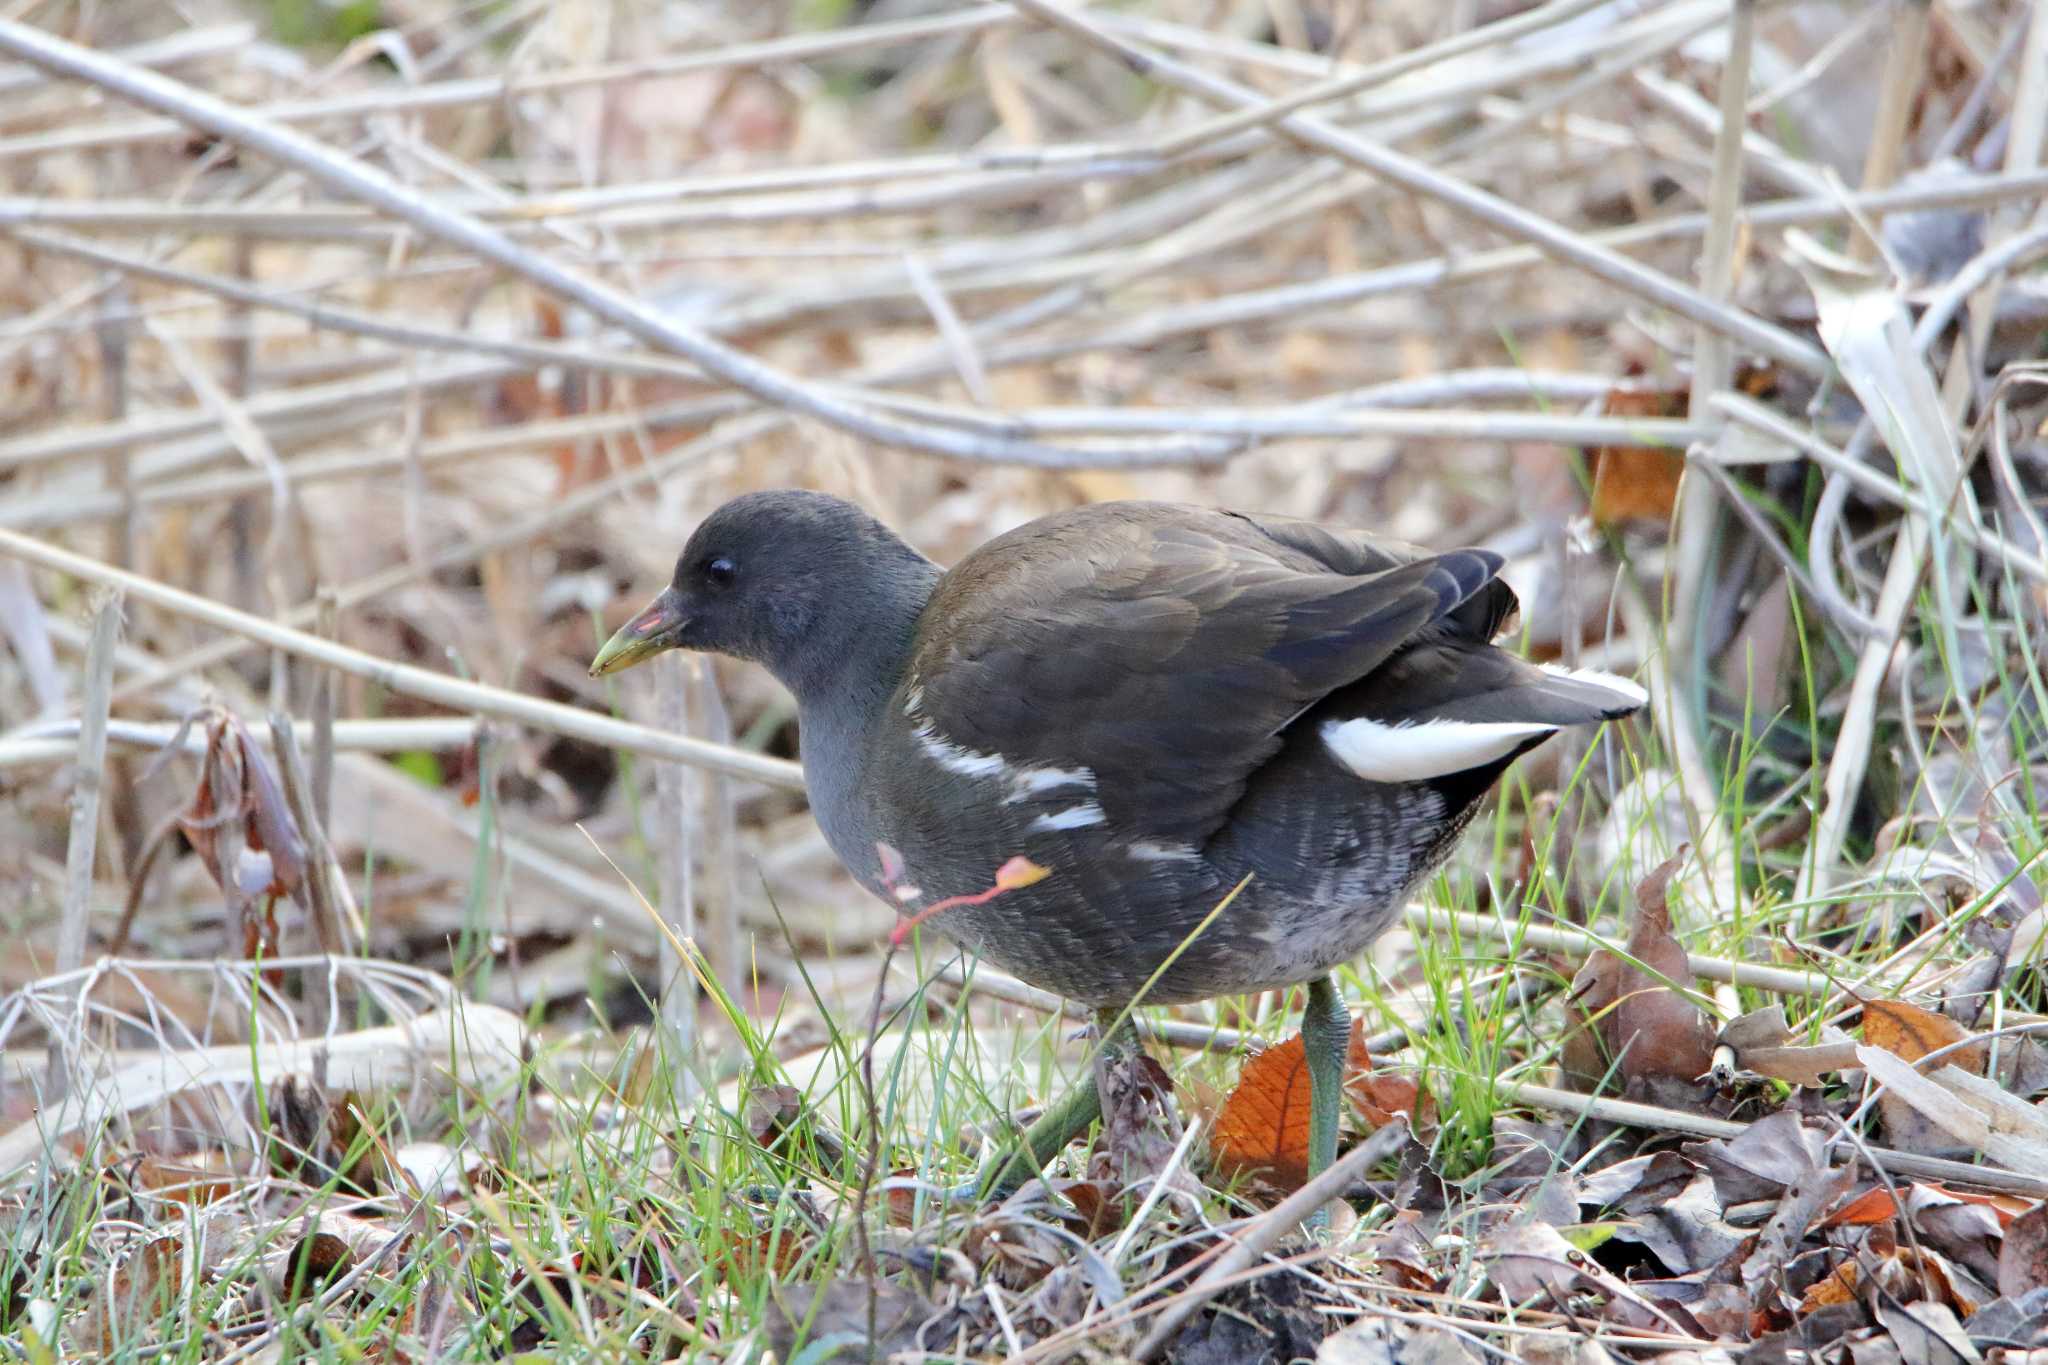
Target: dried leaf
<point>1378,1098</point>
<point>200,1178</point>
<point>2023,1255</point>
<point>142,1293</point>
<point>1772,1155</point>
<point>1764,1045</point>
<point>1968,1109</point>
<point>1926,1333</point>
<point>1097,1203</point>
<point>741,1254</point>
<point>21,621</point>
<point>771,1110</point>
<point>1637,483</point>
<point>1626,1011</point>
<point>1872,1207</point>
<point>1262,1129</point>
<point>1910,1033</point>
<point>1140,1127</point>
<point>1687,1231</point>
<point>1529,1259</point>
<point>241,826</point>
<point>315,1262</point>
<point>1838,1286</point>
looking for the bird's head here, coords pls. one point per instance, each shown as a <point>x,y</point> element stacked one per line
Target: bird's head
<point>757,578</point>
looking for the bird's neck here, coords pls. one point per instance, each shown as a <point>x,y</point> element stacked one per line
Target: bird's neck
<point>843,693</point>
<point>852,660</point>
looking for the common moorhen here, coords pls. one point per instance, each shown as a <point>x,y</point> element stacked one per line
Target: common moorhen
<point>1157,704</point>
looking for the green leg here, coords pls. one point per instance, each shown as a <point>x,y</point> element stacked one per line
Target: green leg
<point>1325,1041</point>
<point>1066,1120</point>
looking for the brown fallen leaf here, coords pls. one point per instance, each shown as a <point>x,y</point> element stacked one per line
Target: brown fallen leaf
<point>1637,483</point>
<point>1836,1287</point>
<point>1868,1209</point>
<point>1766,1045</point>
<point>1098,1209</point>
<point>1529,1260</point>
<point>1262,1129</point>
<point>1378,1098</point>
<point>1140,1128</point>
<point>1909,1033</point>
<point>317,1261</point>
<point>1629,1021</point>
<point>141,1295</point>
<point>2023,1255</point>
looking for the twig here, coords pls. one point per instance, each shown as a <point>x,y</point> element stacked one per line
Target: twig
<point>675,844</point>
<point>173,49</point>
<point>326,624</point>
<point>53,741</point>
<point>1498,35</point>
<point>1277,1222</point>
<point>335,922</point>
<point>1905,60</point>
<point>356,179</point>
<point>1572,939</point>
<point>438,688</point>
<point>361,401</point>
<point>1658,1119</point>
<point>479,1047</point>
<point>1559,243</point>
<point>118,468</point>
<point>1699,509</point>
<point>1681,727</point>
<point>495,90</point>
<point>1875,485</point>
<point>87,778</point>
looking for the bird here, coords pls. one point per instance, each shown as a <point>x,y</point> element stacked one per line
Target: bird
<point>1164,708</point>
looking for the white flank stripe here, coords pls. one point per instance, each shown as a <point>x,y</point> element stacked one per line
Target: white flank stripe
<point>1435,748</point>
<point>1073,817</point>
<point>955,759</point>
<point>1627,687</point>
<point>1031,781</point>
<point>1146,851</point>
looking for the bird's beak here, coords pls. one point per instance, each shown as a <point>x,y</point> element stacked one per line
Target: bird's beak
<point>657,628</point>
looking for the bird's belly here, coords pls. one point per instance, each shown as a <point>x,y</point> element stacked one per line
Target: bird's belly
<point>1302,940</point>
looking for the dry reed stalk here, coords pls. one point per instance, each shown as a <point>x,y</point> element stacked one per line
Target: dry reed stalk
<point>417,682</point>
<point>88,777</point>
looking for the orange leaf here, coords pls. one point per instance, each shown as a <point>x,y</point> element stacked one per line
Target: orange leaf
<point>1910,1033</point>
<point>1263,1126</point>
<point>1871,1207</point>
<point>1838,1287</point>
<point>2005,1207</point>
<point>1376,1098</point>
<point>1637,483</point>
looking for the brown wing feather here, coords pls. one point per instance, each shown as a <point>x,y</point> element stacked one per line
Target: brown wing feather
<point>1163,648</point>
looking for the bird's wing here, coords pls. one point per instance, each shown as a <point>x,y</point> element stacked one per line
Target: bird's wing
<point>1161,649</point>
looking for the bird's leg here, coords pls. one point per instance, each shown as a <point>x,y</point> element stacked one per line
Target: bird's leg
<point>1068,1117</point>
<point>1325,1043</point>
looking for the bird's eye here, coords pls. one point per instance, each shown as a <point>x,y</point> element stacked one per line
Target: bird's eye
<point>719,571</point>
